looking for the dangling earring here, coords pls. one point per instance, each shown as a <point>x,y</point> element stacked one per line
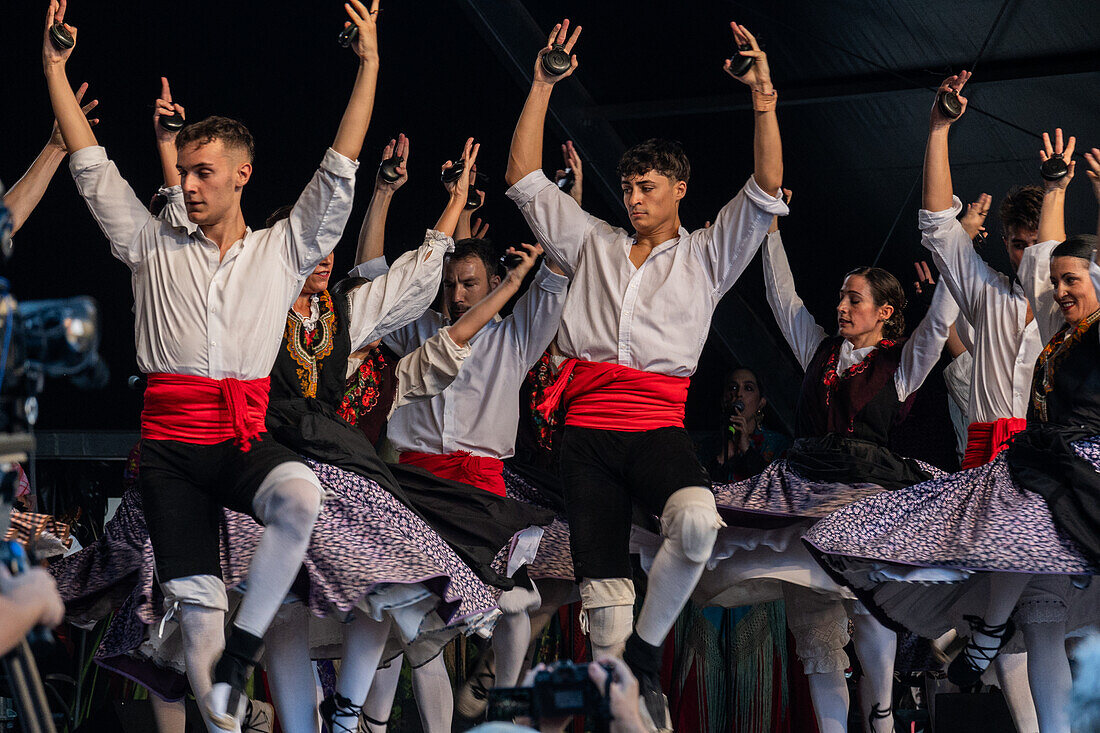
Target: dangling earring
<point>760,419</point>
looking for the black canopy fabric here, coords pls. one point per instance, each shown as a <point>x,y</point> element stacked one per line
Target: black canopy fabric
<point>853,78</point>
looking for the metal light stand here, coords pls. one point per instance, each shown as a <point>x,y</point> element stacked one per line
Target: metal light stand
<point>19,665</point>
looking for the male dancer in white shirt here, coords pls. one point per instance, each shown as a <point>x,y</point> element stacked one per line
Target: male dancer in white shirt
<point>634,325</point>
<point>210,308</point>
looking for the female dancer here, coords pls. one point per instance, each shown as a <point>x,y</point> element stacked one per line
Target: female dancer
<point>1003,542</point>
<point>857,387</point>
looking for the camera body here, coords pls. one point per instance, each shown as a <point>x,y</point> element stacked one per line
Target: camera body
<point>563,690</point>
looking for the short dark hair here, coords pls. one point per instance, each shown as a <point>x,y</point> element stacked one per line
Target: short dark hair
<point>667,157</point>
<point>232,133</point>
<point>885,289</point>
<point>1020,207</point>
<point>482,249</point>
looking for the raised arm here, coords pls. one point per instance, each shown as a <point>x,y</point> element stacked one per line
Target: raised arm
<point>166,139</point>
<point>525,155</point>
<point>767,148</point>
<point>1052,215</point>
<point>537,314</point>
<point>483,311</point>
<point>456,202</point>
<point>938,190</point>
<point>802,332</point>
<point>356,119</point>
<point>75,128</point>
<point>925,344</point>
<point>372,235</point>
<point>24,195</point>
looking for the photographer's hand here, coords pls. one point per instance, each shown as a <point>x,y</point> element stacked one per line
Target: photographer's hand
<point>27,600</point>
<point>623,694</point>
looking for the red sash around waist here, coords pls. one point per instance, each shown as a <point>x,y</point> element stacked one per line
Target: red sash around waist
<point>204,411</point>
<point>984,440</point>
<point>480,471</point>
<point>615,397</point>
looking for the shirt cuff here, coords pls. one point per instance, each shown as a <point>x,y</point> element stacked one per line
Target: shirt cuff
<point>87,157</point>
<point>525,188</point>
<point>437,238</point>
<point>774,205</point>
<point>551,281</point>
<point>931,219</point>
<point>371,269</point>
<point>339,165</point>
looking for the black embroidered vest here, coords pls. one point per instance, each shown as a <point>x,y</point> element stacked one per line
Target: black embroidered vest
<point>861,403</point>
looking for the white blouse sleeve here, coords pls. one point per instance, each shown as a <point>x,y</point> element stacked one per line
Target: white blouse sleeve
<point>799,327</point>
<point>925,344</point>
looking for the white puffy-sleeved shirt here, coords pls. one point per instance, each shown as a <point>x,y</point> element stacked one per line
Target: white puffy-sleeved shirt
<point>479,412</point>
<point>196,312</point>
<point>655,317</point>
<point>1004,345</point>
<point>918,356</point>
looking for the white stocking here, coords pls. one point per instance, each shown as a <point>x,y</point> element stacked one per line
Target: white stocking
<point>288,510</point>
<point>379,702</point>
<point>1004,594</point>
<point>290,672</point>
<point>1048,673</point>
<point>512,634</point>
<point>434,696</point>
<point>203,641</point>
<point>819,625</point>
<point>829,693</point>
<point>875,646</point>
<point>364,642</point>
<point>1011,672</point>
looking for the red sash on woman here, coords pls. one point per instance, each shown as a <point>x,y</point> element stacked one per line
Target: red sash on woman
<point>204,411</point>
<point>984,440</point>
<point>480,471</point>
<point>615,397</point>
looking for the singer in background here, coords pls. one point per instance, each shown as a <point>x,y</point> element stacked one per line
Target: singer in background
<point>744,446</point>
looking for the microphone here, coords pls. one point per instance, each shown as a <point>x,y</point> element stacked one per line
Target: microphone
<point>136,382</point>
<point>737,408</point>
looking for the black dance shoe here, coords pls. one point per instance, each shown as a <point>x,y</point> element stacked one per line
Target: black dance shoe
<point>878,713</point>
<point>336,704</point>
<point>644,661</point>
<point>967,667</point>
<point>226,703</point>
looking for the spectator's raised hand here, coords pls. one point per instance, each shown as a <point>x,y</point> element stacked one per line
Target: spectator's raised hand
<point>1058,150</point>
<point>558,36</point>
<point>758,76</point>
<point>399,147</point>
<point>164,107</point>
<point>973,219</point>
<point>55,135</point>
<point>952,83</point>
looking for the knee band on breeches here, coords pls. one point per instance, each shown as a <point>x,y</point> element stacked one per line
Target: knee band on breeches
<point>690,523</point>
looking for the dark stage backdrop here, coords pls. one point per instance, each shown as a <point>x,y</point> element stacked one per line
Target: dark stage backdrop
<point>852,113</point>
